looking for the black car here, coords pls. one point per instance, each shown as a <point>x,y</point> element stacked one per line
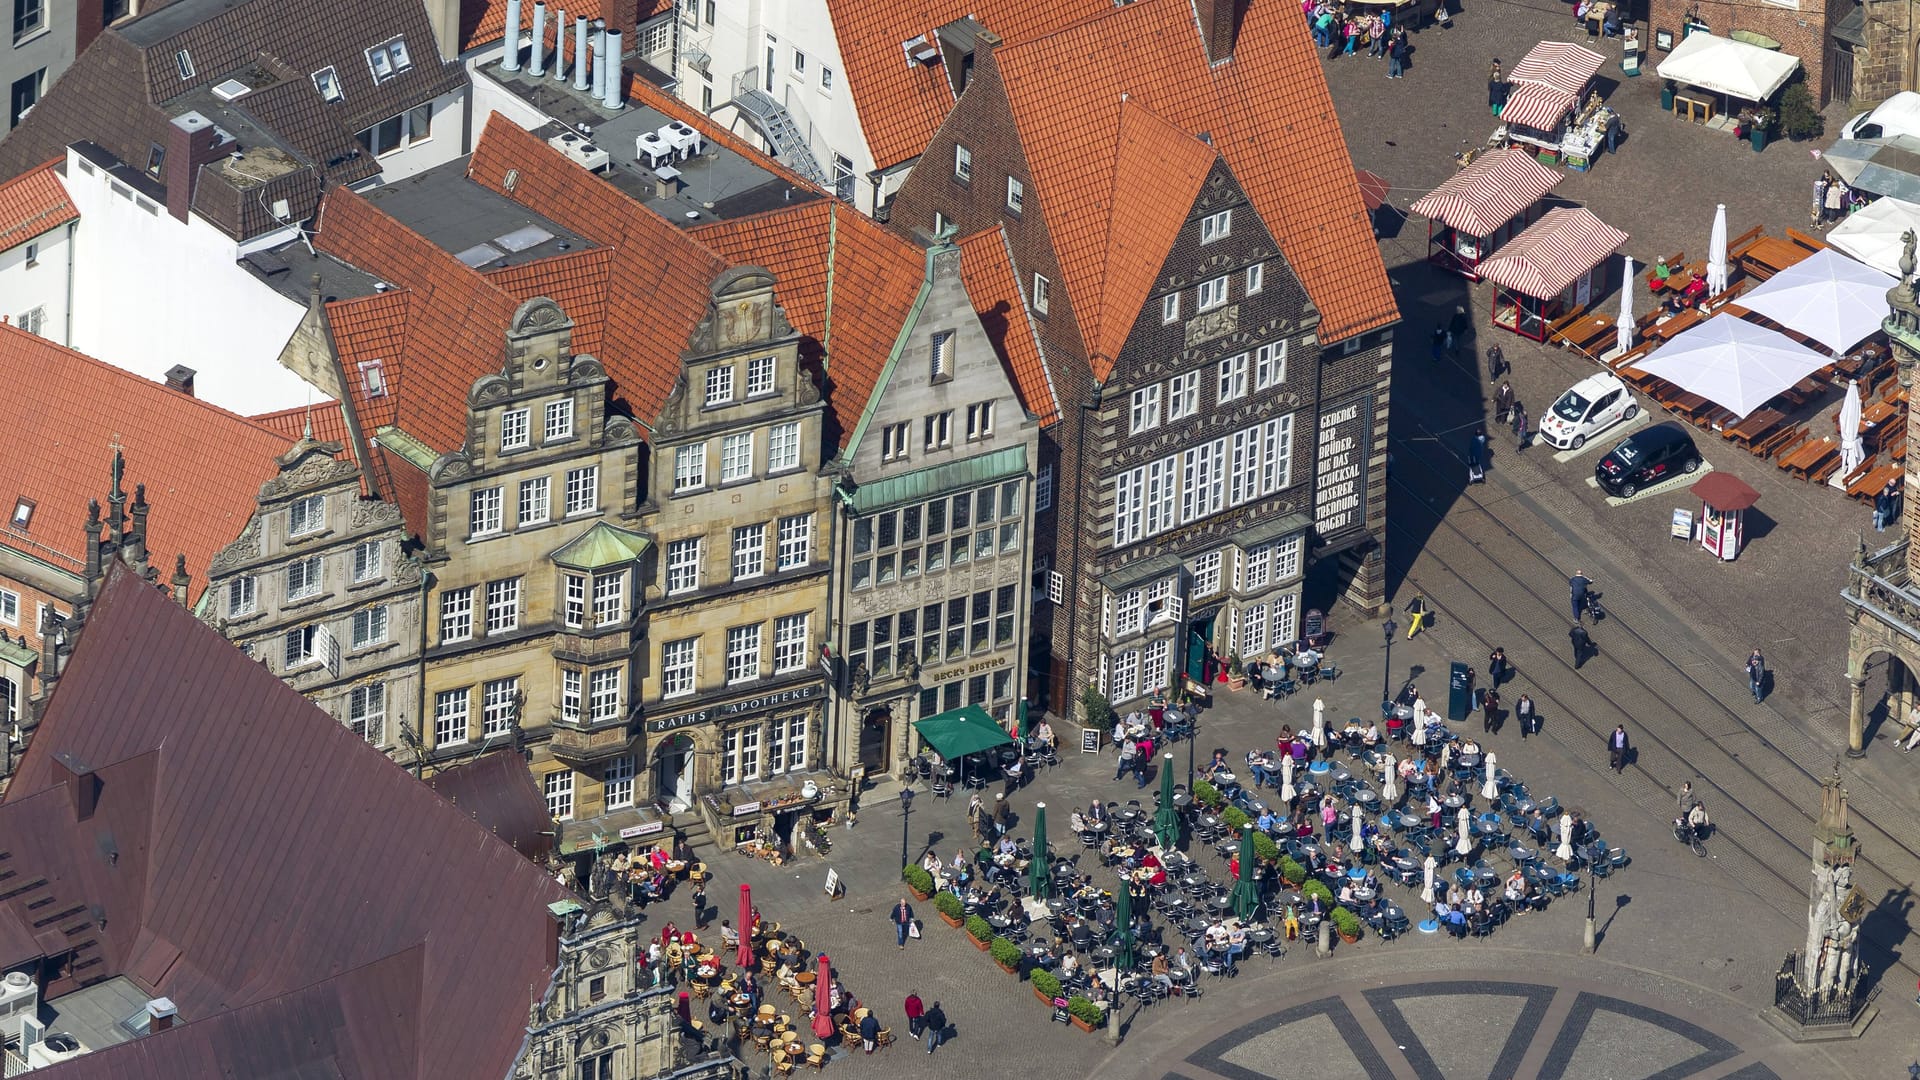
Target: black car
<point>1645,458</point>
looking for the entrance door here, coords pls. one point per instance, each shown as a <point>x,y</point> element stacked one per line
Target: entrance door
<point>1199,651</point>
<point>673,773</point>
<point>876,740</point>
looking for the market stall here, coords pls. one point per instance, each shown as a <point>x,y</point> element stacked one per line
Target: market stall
<point>1724,501</point>
<point>1887,168</point>
<point>1482,207</point>
<point>1548,99</point>
<point>1732,70</point>
<point>1557,264</point>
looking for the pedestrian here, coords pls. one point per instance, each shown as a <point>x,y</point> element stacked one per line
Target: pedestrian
<point>1520,437</point>
<point>1438,346</point>
<point>1128,750</point>
<point>1528,719</point>
<point>1757,675</point>
<point>1496,88</point>
<point>1616,127</point>
<point>936,1026</point>
<point>1686,797</point>
<point>916,1015</point>
<point>1819,198</point>
<point>902,922</point>
<point>1002,814</point>
<point>1477,456</point>
<point>700,904</point>
<point>1836,201</point>
<point>1503,401</point>
<point>1497,666</point>
<point>974,809</point>
<point>1582,641</point>
<point>1490,710</point>
<point>1886,506</point>
<point>1496,363</point>
<point>869,1031</point>
<point>1577,586</point>
<point>1397,54</point>
<point>1459,328</point>
<point>1617,748</point>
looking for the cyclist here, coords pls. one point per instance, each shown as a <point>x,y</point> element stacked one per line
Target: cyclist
<point>1697,820</point>
<point>1417,607</point>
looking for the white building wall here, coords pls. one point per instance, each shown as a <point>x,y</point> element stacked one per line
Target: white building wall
<point>150,292</point>
<point>442,144</point>
<point>41,286</point>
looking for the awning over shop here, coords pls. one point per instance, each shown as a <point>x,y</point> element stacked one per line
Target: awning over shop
<point>1888,167</point>
<point>1733,363</point>
<point>1872,235</point>
<point>1553,252</point>
<point>1826,296</point>
<point>1729,67</point>
<point>1487,194</point>
<point>938,479</point>
<point>1547,82</point>
<point>962,731</point>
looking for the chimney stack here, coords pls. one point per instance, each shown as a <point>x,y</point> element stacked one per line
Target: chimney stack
<point>1219,20</point>
<point>616,79</point>
<point>83,787</point>
<point>192,141</point>
<point>160,1015</point>
<point>599,58</point>
<point>560,45</point>
<point>180,377</point>
<point>510,45</point>
<point>580,67</point>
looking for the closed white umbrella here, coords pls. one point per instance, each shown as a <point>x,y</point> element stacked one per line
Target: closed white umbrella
<point>1446,756</point>
<point>1419,733</point>
<point>1426,894</point>
<point>1390,781</point>
<point>1565,851</point>
<point>1490,789</point>
<point>1465,823</point>
<point>1319,722</point>
<point>1851,450</point>
<point>1623,326</point>
<point>1286,779</point>
<point>1717,253</point>
<point>1358,828</point>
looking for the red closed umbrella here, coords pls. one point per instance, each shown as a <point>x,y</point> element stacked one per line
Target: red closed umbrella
<point>745,959</point>
<point>822,999</point>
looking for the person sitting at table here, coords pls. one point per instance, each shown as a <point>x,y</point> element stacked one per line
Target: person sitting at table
<point>1517,885</point>
<point>1457,923</point>
<point>1352,729</point>
<point>1217,765</point>
<point>1370,736</point>
<point>1261,765</point>
<point>1007,849</point>
<point>1043,735</point>
<point>1236,943</point>
<point>1077,822</point>
<point>1696,290</point>
<point>1476,900</point>
<point>1469,746</point>
<point>1346,893</point>
<point>1265,821</point>
<point>1661,272</point>
<point>1299,748</point>
<point>729,937</point>
<point>1096,813</point>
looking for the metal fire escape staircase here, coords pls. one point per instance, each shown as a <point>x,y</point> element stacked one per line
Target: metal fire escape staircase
<point>771,120</point>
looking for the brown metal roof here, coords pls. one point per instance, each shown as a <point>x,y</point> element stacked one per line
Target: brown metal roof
<point>311,888</point>
<point>498,792</point>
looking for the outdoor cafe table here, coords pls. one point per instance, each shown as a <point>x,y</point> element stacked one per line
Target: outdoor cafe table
<point>1810,455</point>
<point>1758,425</point>
<point>1587,331</point>
<point>1520,853</point>
<point>1453,802</point>
<point>1366,795</point>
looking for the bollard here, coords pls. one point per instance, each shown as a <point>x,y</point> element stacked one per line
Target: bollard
<point>1325,947</point>
<point>1113,1024</point>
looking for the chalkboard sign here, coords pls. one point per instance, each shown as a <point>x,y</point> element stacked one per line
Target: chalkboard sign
<point>833,884</point>
<point>1060,1014</point>
<point>1089,740</point>
<point>1313,627</point>
<point>1459,691</point>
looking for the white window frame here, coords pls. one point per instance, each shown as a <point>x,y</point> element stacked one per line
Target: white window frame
<point>1153,664</point>
<point>783,447</point>
<point>304,578</point>
<point>571,692</point>
<point>609,598</point>
<point>456,615</point>
<point>603,695</point>
<point>1128,506</point>
<point>1043,489</point>
<point>369,627</point>
<point>1206,574</point>
<point>1276,454</point>
<point>1016,194</point>
<point>452,717</point>
<point>979,420</point>
<point>327,81</point>
<point>736,457</point>
<point>485,516</point>
<point>388,59</point>
<point>1286,559</point>
<point>1144,413</point>
<point>678,670</point>
<point>1256,278</point>
<point>962,163</point>
<point>243,598</point>
<point>690,467</point>
<point>1216,226</point>
<point>1163,485</point>
<point>683,566</point>
<point>536,501</point>
<point>558,788</point>
<point>743,654</point>
<point>749,552</point>
<point>893,442</point>
<point>1253,629</point>
<point>719,386</point>
<point>497,700</point>
<point>367,712</point>
<point>573,600</point>
<point>787,744</point>
<point>760,371</point>
<point>583,490</point>
<point>1232,382</point>
<point>795,542</point>
<point>1203,480</point>
<point>1125,677</point>
<point>516,429</point>
<point>1270,365</point>
<point>938,431</point>
<point>790,642</point>
<point>741,762</point>
<point>1286,617</point>
<point>298,647</point>
<point>616,781</point>
<point>369,561</point>
<point>1183,395</point>
<point>1041,290</point>
<point>1212,294</point>
<point>307,515</point>
<point>1170,308</point>
<point>940,355</point>
<point>559,420</point>
<point>503,606</point>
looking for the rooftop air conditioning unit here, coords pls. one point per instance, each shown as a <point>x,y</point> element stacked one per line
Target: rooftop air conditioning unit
<point>54,1048</point>
<point>19,996</point>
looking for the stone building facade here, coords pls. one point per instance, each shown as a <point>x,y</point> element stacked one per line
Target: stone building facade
<point>933,540</point>
<point>321,587</point>
<point>1886,58</point>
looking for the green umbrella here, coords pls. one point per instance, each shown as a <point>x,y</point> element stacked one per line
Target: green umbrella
<point>1039,880</point>
<point>1025,727</point>
<point>1123,934</point>
<point>1166,822</point>
<point>1246,896</point>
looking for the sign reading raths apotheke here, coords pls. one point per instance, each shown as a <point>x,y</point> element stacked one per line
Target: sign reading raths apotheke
<point>803,692</point>
<point>1341,449</point>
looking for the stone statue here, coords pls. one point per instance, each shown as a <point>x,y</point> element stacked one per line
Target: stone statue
<point>1829,964</point>
<point>1906,255</point>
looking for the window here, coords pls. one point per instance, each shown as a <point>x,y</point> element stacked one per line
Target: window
<point>367,712</point>
<point>1253,630</point>
<point>1016,194</point>
<point>609,598</point>
<point>603,695</point>
<point>749,552</point>
<point>719,385</point>
<point>743,653</point>
<point>799,62</point>
<point>183,63</point>
<point>24,94</point>
<point>1169,308</point>
<point>941,223</point>
<point>939,430</point>
<point>676,667</point>
<point>942,355</point>
<point>299,647</point>
<point>583,490</point>
<point>559,788</point>
<point>156,159</point>
<point>789,643</point>
<point>1233,378</point>
<point>1206,574</point>
<point>962,163</point>
<point>1154,665</point>
<point>503,606</point>
<point>33,254</point>
<point>1162,483</point>
<point>1256,278</point>
<point>616,780</point>
<point>690,467</point>
<point>450,716</point>
<point>759,376</point>
<point>513,430</point>
<point>10,606</point>
<point>499,700</point>
<point>1270,365</point>
<point>979,420</point>
<point>368,561</point>
<point>1286,610</point>
<point>783,447</point>
<point>34,320</point>
<point>388,59</point>
<point>306,516</point>
<point>736,457</point>
<point>1127,508</point>
<point>796,541</point>
<point>1202,480</point>
<point>787,746</point>
<point>327,81</point>
<point>1183,396</point>
<point>559,419</point>
<point>303,578</point>
<point>1145,412</point>
<point>28,17</point>
<point>370,627</point>
<point>1243,467</point>
<point>741,763</point>
<point>241,600</point>
<point>384,137</point>
<point>573,601</point>
<point>893,442</point>
<point>1286,559</point>
<point>485,517</point>
<point>536,502</point>
<point>1216,226</point>
<point>826,78</point>
<point>1040,288</point>
<point>1043,489</point>
<point>683,565</point>
<point>456,615</point>
<point>1213,293</point>
<point>373,377</point>
<point>1276,454</point>
<point>1125,679</point>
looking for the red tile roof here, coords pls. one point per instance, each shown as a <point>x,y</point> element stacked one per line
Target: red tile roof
<point>354,953</point>
<point>901,103</point>
<point>1267,111</point>
<point>329,422</point>
<point>987,267</point>
<point>32,203</point>
<point>68,410</point>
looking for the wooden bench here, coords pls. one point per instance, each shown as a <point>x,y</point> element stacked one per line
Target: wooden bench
<point>1781,442</point>
<point>1811,243</point>
<point>1744,241</point>
<point>1557,327</point>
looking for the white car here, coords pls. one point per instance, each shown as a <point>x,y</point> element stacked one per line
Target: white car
<point>1593,405</point>
<point>1898,115</point>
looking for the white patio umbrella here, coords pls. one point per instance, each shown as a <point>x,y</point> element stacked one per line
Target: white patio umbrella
<point>1735,363</point>
<point>1490,789</point>
<point>1359,826</point>
<point>1565,851</point>
<point>1623,325</point>
<point>1717,253</point>
<point>1390,779</point>
<point>1446,757</point>
<point>1465,822</point>
<point>1851,450</point>
<point>1426,894</point>
<point>1319,722</point>
<point>1287,793</point>
<point>1827,296</point>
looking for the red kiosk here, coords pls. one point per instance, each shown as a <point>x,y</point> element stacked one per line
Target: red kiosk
<point>1724,501</point>
<point>1481,207</point>
<point>1558,264</point>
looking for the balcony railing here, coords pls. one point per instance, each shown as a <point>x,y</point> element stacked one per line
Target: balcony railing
<point>1877,584</point>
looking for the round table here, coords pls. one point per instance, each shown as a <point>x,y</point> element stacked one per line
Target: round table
<point>1218,900</point>
<point>1128,815</point>
<point>1104,952</point>
<point>1366,795</point>
<point>1181,800</point>
<point>1362,893</point>
<point>1358,873</point>
<point>806,978</point>
<point>1341,776</point>
<point>1097,826</point>
<point>1453,802</point>
<point>1260,936</point>
<point>1319,768</point>
<point>1468,761</point>
<point>1175,716</point>
<point>1224,777</point>
<point>1521,854</point>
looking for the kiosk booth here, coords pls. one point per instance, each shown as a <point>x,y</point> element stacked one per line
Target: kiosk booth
<point>1549,85</point>
<point>1724,501</point>
<point>1481,207</point>
<point>1555,266</point>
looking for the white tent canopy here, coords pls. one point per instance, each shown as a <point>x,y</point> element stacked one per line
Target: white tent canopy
<point>1729,67</point>
<point>1872,235</point>
<point>1826,296</point>
<point>1733,363</point>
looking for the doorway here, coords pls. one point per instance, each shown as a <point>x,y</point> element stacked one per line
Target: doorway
<point>876,740</point>
<point>1199,648</point>
<point>673,773</point>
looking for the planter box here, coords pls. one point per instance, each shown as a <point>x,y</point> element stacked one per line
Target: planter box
<point>1081,1024</point>
<point>1236,682</point>
<point>1042,998</point>
<point>1349,940</point>
<point>949,920</point>
<point>983,946</point>
<point>918,895</point>
<point>1013,971</point>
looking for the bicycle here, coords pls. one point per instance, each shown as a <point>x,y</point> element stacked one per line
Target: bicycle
<point>1687,835</point>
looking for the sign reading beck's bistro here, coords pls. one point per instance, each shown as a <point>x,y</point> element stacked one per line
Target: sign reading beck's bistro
<point>1345,440</point>
<point>774,700</point>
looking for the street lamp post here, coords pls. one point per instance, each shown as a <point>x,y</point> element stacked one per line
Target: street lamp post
<point>906,817</point>
<point>1386,674</point>
<point>1593,887</point>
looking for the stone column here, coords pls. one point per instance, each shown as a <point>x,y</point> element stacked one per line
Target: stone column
<point>1856,717</point>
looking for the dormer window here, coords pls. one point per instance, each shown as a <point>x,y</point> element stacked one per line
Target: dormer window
<point>327,81</point>
<point>22,514</point>
<point>373,378</point>
<point>183,62</point>
<point>388,59</point>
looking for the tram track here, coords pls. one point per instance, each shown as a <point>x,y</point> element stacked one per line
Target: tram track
<point>1758,838</point>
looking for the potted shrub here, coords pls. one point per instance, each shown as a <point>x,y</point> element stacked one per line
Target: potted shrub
<point>1291,871</point>
<point>919,882</point>
<point>1234,818</point>
<point>1757,131</point>
<point>1264,849</point>
<point>980,932</point>
<point>1236,673</point>
<point>1046,986</point>
<point>1207,795</point>
<point>1346,924</point>
<point>1318,889</point>
<point>1085,1014</point>
<point>1006,954</point>
<point>1098,710</point>
<point>950,908</point>
<point>1667,88</point>
<point>1799,119</point>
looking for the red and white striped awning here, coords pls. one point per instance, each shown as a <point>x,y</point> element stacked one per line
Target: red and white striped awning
<point>1537,107</point>
<point>1548,81</point>
<point>1553,252</point>
<point>1487,194</point>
